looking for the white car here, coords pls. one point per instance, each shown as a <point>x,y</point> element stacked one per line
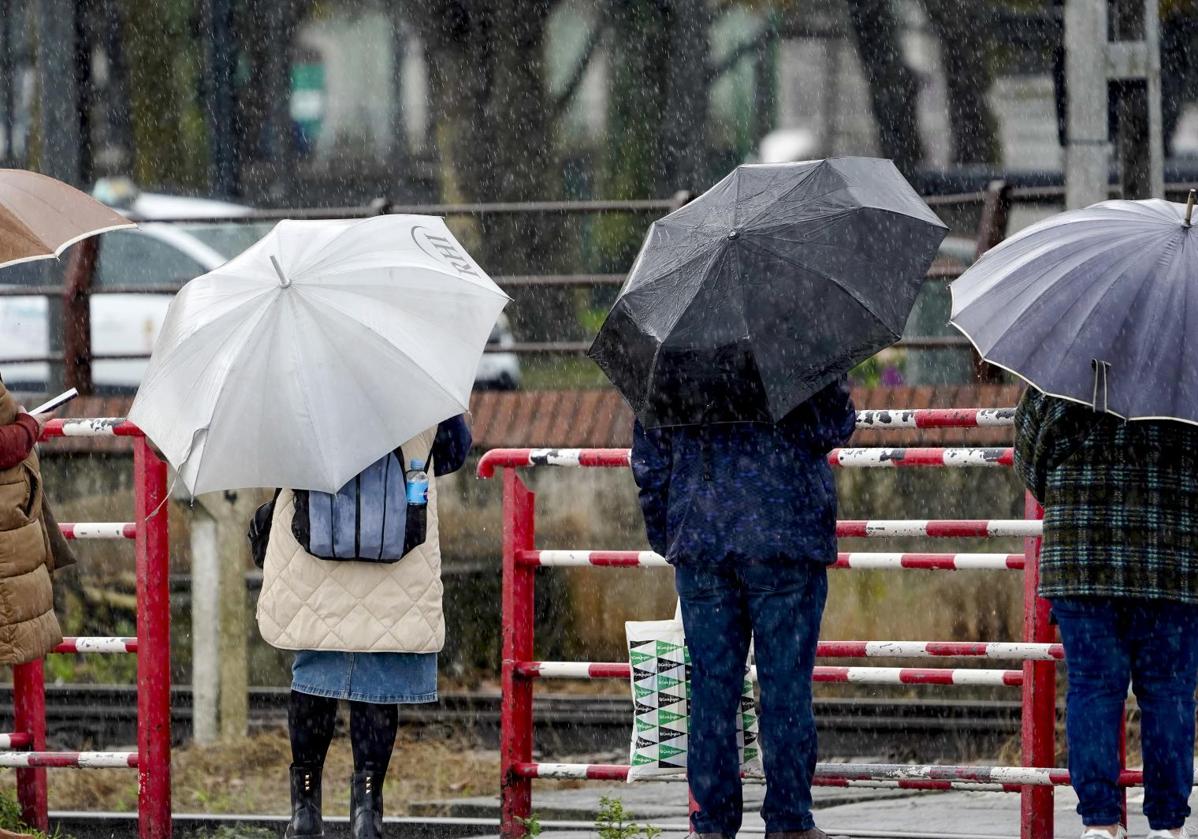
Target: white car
<point>154,254</point>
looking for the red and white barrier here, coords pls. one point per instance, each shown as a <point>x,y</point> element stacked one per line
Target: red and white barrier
<point>937,418</point>
<point>848,458</point>
<point>99,530</point>
<point>95,427</point>
<point>940,529</point>
<point>20,740</point>
<point>863,560</point>
<point>85,644</point>
<point>1012,778</point>
<point>68,760</point>
<point>835,675</point>
<point>898,458</point>
<point>998,650</point>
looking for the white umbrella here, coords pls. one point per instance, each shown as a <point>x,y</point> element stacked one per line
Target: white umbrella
<point>309,356</point>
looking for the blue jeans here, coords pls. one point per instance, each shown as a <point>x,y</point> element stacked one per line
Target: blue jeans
<point>1153,644</point>
<point>780,608</point>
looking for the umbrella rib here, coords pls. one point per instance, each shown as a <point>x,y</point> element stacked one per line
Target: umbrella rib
<point>786,193</point>
<point>848,291</point>
<point>33,196</point>
<point>388,343</point>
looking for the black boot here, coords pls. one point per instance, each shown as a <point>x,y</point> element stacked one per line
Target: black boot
<point>305,804</point>
<point>366,805</point>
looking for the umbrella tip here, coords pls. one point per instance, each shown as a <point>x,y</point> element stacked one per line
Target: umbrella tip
<point>1190,205</point>
<point>283,281</point>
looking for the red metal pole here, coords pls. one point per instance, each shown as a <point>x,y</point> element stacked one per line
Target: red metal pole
<point>1039,692</point>
<point>519,527</point>
<point>29,712</point>
<point>1123,761</point>
<point>154,645</point>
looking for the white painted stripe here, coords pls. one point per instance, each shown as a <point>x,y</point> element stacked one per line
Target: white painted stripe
<point>562,770</point>
<point>104,760</point>
<point>95,644</point>
<point>564,670</point>
<point>100,529</point>
<point>5,741</point>
<point>98,427</point>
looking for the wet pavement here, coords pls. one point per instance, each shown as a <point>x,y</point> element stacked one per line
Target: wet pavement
<point>860,814</point>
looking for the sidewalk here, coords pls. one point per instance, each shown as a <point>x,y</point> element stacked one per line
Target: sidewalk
<point>857,813</point>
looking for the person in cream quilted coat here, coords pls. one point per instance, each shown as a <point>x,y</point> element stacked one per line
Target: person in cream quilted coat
<point>365,632</point>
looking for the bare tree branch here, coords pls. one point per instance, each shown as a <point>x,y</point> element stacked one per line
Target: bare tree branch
<point>563,98</point>
<point>738,52</point>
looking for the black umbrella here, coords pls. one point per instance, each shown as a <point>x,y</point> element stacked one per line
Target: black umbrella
<point>767,287</point>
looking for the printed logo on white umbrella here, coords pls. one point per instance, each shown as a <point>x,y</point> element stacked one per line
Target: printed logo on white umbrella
<point>443,249</point>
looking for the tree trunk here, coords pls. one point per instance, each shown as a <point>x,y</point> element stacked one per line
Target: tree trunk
<point>966,32</point>
<point>684,111</point>
<point>493,134</point>
<point>892,86</point>
<point>636,113</point>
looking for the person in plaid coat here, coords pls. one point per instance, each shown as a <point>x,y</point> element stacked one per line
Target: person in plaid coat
<point>1120,566</point>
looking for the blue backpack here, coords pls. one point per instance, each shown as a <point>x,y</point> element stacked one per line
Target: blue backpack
<point>376,517</point>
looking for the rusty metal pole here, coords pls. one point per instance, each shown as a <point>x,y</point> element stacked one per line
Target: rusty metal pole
<point>76,315</point>
<point>992,229</point>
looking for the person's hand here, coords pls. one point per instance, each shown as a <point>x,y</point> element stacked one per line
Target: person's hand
<point>40,419</point>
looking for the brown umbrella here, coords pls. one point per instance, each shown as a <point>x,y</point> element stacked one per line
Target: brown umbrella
<point>41,217</point>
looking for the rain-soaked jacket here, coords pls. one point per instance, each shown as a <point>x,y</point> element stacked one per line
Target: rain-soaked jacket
<point>745,492</point>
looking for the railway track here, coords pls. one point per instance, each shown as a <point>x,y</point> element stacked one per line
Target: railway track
<point>80,716</point>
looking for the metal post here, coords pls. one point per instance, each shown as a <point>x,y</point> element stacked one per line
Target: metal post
<point>1134,66</point>
<point>29,717</point>
<point>992,229</point>
<point>1086,168</point>
<point>76,315</point>
<point>1038,726</point>
<point>205,623</point>
<point>519,527</point>
<point>154,640</point>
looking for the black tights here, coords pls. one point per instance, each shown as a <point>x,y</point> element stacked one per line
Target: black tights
<point>372,727</point>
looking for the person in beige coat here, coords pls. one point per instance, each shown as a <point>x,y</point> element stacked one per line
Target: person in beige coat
<point>31,546</point>
<point>366,632</point>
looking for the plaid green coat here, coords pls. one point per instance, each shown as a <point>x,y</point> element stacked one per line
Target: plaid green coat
<point>1120,500</point>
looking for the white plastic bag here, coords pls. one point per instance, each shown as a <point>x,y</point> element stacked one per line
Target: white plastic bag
<point>661,697</point>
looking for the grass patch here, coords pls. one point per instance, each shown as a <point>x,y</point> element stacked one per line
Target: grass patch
<point>250,776</point>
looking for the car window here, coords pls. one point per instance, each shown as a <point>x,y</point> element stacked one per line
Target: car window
<point>132,258</point>
<point>41,272</point>
<point>229,239</point>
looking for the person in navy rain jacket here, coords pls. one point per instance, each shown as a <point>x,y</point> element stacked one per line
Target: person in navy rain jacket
<point>746,514</point>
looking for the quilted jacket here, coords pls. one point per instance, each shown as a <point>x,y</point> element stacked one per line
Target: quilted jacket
<point>28,627</point>
<point>316,604</point>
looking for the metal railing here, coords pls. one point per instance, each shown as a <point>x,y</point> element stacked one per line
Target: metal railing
<point>995,202</point>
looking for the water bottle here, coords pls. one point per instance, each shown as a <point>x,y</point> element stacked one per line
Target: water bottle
<point>417,484</point>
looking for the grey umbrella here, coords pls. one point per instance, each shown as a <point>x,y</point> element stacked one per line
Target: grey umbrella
<point>1099,306</point>
<point>767,287</point>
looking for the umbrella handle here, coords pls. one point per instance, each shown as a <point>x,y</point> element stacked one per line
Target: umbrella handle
<point>1190,205</point>
<point>283,281</point>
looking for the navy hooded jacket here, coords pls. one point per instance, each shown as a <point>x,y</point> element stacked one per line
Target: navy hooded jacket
<point>745,492</point>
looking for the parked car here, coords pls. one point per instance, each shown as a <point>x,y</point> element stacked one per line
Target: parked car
<point>154,254</point>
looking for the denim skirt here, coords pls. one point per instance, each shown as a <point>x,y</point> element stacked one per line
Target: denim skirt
<point>383,678</point>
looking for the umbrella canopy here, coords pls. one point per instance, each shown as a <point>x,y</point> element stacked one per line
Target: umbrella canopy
<point>1095,306</point>
<point>41,217</point>
<point>309,356</point>
<point>770,285</point>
